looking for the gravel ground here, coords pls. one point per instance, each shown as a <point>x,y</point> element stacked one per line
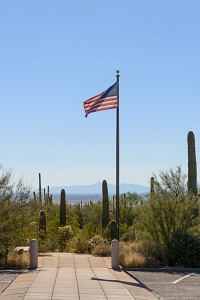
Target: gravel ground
<point>170,284</point>
<point>6,277</point>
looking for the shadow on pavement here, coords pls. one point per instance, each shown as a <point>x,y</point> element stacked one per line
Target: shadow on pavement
<point>119,281</point>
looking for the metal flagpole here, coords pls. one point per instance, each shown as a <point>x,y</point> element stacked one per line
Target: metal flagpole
<point>117,158</point>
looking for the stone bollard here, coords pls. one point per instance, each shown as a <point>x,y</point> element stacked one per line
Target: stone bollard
<point>33,254</point>
<point>115,254</point>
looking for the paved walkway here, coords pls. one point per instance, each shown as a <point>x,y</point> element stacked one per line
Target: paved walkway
<point>72,276</point>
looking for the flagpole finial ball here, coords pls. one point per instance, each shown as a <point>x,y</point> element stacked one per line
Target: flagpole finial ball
<point>117,71</point>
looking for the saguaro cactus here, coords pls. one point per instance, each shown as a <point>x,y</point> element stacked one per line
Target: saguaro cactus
<point>113,229</point>
<point>152,188</point>
<point>192,166</point>
<point>105,204</point>
<point>48,194</point>
<point>40,190</point>
<point>42,221</point>
<point>44,191</point>
<point>62,208</point>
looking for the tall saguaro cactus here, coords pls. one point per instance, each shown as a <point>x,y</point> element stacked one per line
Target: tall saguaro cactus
<point>105,204</point>
<point>192,166</point>
<point>44,196</point>
<point>48,194</point>
<point>152,188</point>
<point>62,208</point>
<point>40,190</point>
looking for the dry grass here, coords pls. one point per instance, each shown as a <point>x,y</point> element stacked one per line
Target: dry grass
<point>140,254</point>
<point>101,250</point>
<point>137,254</point>
<point>130,257</point>
<point>17,261</point>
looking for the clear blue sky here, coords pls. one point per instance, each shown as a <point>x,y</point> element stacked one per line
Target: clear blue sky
<point>56,54</point>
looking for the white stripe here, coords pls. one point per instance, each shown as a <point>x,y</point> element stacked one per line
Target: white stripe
<point>103,100</point>
<point>183,277</point>
<point>102,107</point>
<point>105,104</point>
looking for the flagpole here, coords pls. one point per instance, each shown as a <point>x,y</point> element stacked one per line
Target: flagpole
<point>117,157</point>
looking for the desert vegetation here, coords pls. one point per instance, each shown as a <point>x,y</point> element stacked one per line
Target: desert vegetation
<point>157,229</point>
<point>161,228</point>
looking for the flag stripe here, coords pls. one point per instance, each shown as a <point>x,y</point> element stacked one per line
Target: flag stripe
<point>103,101</point>
<point>110,102</point>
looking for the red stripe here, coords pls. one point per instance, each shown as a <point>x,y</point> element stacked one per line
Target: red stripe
<point>92,100</point>
<point>108,106</point>
<point>106,101</point>
<point>105,108</point>
<point>105,104</point>
<point>97,103</point>
<point>88,104</point>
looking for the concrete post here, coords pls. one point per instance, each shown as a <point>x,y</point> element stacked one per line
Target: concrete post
<point>33,254</point>
<point>115,254</point>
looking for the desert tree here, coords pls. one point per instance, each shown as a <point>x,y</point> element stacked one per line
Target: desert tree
<point>15,209</point>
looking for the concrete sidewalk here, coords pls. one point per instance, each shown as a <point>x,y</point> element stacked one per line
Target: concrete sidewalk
<point>72,276</point>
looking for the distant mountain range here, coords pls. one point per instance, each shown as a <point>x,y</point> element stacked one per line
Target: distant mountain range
<point>96,189</point>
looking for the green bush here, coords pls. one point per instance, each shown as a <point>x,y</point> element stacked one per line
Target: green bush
<point>98,240</point>
<point>100,246</point>
<point>159,218</point>
<point>129,235</point>
<point>79,244</point>
<point>184,250</point>
<point>152,252</point>
<point>65,234</point>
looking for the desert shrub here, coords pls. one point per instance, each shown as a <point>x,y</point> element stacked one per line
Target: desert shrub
<point>153,253</point>
<point>172,181</point>
<point>15,205</point>
<point>184,250</point>
<point>14,259</point>
<point>79,244</point>
<point>65,234</point>
<point>42,248</point>
<point>106,233</point>
<point>101,250</point>
<point>128,202</point>
<point>52,240</point>
<point>42,238</point>
<point>129,235</point>
<point>129,257</point>
<point>100,246</point>
<point>159,217</point>
<point>169,209</point>
<point>98,240</point>
<point>89,230</point>
<point>18,260</point>
<point>3,255</point>
<point>140,254</point>
<point>2,251</point>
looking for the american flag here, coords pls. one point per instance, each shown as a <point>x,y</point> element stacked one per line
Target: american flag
<point>103,101</point>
